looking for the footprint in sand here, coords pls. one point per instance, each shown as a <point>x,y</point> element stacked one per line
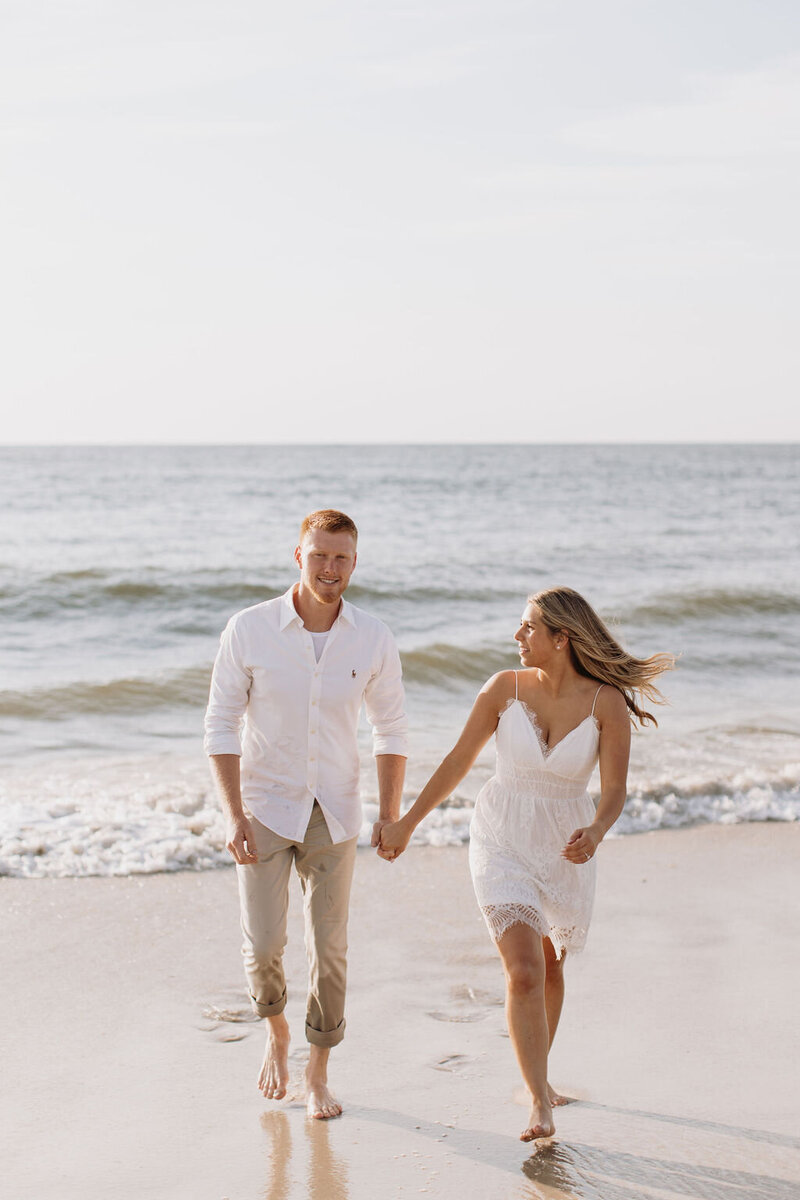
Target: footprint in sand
<point>452,1062</point>
<point>218,1019</point>
<point>458,1018</point>
<point>469,1004</point>
<point>472,995</point>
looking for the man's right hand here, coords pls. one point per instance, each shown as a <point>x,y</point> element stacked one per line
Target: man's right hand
<point>242,843</point>
<point>395,836</point>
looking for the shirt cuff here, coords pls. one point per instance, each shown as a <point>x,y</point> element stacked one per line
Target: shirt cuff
<point>221,743</point>
<point>387,743</point>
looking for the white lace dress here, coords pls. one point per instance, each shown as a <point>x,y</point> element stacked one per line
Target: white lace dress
<point>523,818</point>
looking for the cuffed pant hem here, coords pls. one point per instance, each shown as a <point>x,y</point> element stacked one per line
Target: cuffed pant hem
<point>268,1010</point>
<point>326,1039</point>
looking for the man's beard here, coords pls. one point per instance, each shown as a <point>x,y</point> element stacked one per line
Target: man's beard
<point>325,598</point>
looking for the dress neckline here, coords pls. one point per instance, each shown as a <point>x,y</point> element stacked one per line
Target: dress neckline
<point>533,721</point>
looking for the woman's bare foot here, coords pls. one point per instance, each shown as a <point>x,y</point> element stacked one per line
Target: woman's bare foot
<point>540,1124</point>
<point>274,1077</point>
<point>556,1099</point>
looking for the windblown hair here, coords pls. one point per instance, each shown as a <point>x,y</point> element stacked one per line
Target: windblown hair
<point>331,520</point>
<point>597,654</point>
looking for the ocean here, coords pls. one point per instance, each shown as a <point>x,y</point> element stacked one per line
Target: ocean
<point>119,566</point>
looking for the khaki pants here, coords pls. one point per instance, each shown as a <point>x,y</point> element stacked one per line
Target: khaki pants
<point>325,872</point>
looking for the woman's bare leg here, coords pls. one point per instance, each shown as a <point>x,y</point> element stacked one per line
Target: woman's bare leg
<point>524,964</point>
<point>553,1002</point>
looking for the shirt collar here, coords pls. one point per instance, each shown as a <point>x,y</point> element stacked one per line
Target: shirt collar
<point>347,613</point>
<point>289,613</point>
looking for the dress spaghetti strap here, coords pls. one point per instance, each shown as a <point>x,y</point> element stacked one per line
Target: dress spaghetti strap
<point>597,693</point>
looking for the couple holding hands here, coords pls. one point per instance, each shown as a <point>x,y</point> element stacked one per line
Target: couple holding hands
<point>289,682</point>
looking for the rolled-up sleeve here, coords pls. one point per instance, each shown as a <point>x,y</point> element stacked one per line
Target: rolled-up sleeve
<point>227,701</point>
<point>385,703</point>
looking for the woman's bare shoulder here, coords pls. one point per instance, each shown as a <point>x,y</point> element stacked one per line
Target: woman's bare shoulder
<point>610,704</point>
<point>500,687</point>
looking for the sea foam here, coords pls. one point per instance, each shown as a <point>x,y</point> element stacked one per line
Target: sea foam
<point>122,819</point>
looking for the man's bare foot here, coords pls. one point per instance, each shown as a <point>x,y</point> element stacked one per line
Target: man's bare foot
<point>320,1103</point>
<point>540,1124</point>
<point>556,1099</point>
<point>274,1077</point>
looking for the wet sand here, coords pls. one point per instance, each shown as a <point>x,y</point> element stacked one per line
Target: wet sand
<point>130,1060</point>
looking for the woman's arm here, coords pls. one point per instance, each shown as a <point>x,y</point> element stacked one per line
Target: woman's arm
<point>480,726</point>
<point>615,746</point>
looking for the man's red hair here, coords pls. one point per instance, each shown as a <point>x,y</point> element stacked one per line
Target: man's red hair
<point>331,521</point>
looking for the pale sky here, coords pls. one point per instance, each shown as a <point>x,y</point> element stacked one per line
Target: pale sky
<point>252,221</point>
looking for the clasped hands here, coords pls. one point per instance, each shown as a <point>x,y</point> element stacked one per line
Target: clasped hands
<point>390,838</point>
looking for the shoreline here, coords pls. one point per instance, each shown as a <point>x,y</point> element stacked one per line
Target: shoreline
<point>131,1066</point>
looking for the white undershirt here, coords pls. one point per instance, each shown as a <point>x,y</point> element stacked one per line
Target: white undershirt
<point>319,640</point>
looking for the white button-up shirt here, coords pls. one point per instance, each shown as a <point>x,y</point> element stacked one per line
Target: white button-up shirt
<point>294,720</point>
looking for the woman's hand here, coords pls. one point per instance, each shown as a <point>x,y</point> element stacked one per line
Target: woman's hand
<point>582,845</point>
<point>395,836</point>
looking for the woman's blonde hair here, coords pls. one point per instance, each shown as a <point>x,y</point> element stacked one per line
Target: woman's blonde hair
<point>597,654</point>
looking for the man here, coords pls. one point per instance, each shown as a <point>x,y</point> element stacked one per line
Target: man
<point>297,669</point>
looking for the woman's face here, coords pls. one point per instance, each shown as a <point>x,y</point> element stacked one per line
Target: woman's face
<point>536,643</point>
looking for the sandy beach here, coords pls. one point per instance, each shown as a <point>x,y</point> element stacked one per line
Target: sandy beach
<point>130,1060</point>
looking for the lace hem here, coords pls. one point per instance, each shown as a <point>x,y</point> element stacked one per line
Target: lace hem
<point>500,918</point>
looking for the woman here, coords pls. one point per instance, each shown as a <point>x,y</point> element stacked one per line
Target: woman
<point>535,832</point>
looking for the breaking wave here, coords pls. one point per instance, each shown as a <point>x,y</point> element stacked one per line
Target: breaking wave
<point>127,818</point>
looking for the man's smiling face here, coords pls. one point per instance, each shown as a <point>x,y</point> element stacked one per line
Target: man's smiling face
<point>326,562</point>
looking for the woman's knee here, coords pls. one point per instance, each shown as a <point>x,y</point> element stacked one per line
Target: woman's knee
<point>525,976</point>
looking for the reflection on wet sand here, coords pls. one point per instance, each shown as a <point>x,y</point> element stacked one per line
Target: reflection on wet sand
<point>636,1156</point>
<point>590,1173</point>
<point>276,1125</point>
<point>326,1174</point>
